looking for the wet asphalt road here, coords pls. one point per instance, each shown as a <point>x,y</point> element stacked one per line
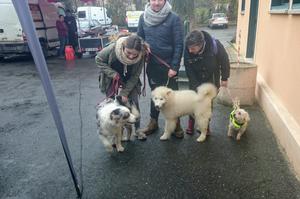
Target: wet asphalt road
<point>32,163</point>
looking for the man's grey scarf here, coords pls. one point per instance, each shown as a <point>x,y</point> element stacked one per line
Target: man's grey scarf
<point>153,18</point>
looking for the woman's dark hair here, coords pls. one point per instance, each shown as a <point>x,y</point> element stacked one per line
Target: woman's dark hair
<point>60,16</point>
<point>134,42</point>
<point>195,37</point>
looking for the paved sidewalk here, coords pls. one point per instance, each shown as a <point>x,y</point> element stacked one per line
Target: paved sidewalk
<point>33,166</point>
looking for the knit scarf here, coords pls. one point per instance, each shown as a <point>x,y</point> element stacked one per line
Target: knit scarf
<point>119,49</point>
<point>153,18</point>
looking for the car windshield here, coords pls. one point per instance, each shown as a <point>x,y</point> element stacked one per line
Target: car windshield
<point>217,15</point>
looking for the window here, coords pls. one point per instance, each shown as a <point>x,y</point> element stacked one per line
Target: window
<point>285,7</point>
<point>243,7</point>
<point>296,5</point>
<point>280,5</point>
<point>81,14</point>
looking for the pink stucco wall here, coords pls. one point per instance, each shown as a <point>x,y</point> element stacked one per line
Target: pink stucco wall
<point>277,53</point>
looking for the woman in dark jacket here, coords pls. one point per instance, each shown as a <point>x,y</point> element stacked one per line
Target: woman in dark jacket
<point>163,31</point>
<point>122,61</point>
<point>205,60</point>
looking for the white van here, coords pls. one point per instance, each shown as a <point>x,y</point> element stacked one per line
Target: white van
<point>93,12</point>
<point>12,38</point>
<point>132,19</point>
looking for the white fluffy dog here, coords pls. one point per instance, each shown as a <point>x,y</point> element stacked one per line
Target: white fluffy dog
<point>239,120</point>
<point>174,104</point>
<point>112,117</point>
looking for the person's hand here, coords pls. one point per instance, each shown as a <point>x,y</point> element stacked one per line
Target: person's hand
<point>224,83</point>
<point>147,46</point>
<point>171,73</point>
<point>125,99</point>
<point>116,76</point>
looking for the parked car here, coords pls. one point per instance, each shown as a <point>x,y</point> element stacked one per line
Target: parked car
<point>218,20</point>
<point>13,41</point>
<point>89,28</point>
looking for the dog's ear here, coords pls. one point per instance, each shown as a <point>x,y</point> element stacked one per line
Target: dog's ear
<point>118,100</point>
<point>115,114</point>
<point>169,92</point>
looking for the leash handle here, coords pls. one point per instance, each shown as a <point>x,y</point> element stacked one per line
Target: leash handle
<point>144,81</point>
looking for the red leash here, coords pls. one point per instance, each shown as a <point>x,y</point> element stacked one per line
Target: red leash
<point>160,60</point>
<point>114,88</point>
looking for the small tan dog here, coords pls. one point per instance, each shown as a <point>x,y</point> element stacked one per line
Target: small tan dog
<point>174,104</point>
<point>239,120</point>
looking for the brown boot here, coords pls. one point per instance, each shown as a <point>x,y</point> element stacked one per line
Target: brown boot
<point>178,133</point>
<point>150,128</point>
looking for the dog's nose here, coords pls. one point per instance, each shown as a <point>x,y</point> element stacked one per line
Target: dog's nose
<point>157,107</point>
<point>137,119</point>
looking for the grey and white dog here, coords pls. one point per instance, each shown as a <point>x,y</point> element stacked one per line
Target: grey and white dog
<point>113,116</point>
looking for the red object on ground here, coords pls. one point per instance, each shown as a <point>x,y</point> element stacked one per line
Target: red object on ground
<point>69,52</point>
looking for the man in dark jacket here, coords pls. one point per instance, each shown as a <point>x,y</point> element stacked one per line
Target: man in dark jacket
<point>205,60</point>
<point>162,29</point>
<point>72,28</point>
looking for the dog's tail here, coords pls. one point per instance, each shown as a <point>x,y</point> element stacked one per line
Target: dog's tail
<point>207,90</point>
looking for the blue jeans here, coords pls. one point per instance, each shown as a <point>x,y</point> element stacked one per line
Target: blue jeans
<point>63,40</point>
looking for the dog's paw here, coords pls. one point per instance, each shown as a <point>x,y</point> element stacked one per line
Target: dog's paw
<point>109,148</point>
<point>141,136</point>
<point>120,149</point>
<point>238,137</point>
<point>164,137</point>
<point>229,134</point>
<point>125,139</point>
<point>201,138</point>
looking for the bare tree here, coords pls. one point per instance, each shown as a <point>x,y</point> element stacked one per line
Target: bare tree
<point>185,9</point>
<point>116,9</point>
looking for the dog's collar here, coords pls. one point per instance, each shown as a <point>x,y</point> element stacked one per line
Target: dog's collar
<point>235,123</point>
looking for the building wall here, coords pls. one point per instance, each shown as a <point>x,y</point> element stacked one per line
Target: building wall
<point>277,55</point>
<point>242,28</point>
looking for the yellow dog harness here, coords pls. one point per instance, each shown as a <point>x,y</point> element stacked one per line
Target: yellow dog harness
<point>233,120</point>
